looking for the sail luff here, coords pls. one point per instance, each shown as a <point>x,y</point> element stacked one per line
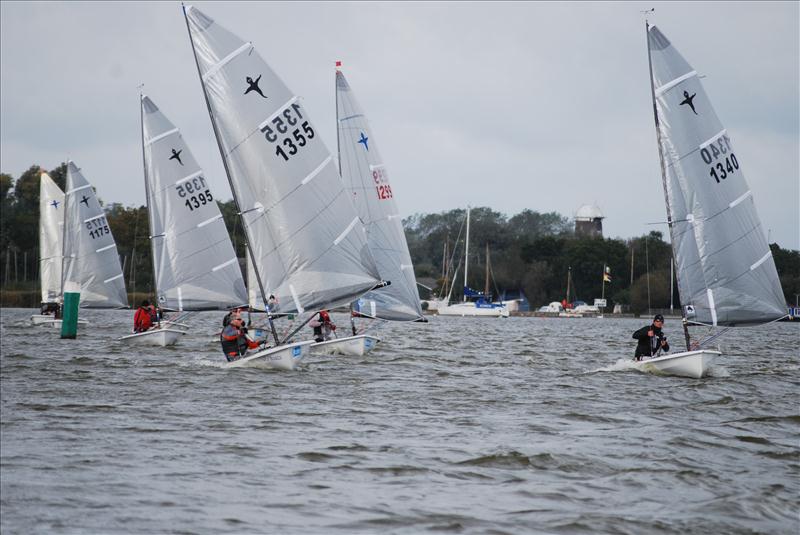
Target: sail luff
<point>663,167</point>
<point>307,244</point>
<point>64,239</point>
<point>150,215</point>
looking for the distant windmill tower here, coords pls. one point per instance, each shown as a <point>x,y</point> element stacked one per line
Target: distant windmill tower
<point>589,221</point>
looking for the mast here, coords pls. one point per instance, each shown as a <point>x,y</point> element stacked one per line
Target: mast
<point>147,202</point>
<point>228,174</point>
<point>569,280</point>
<point>664,178</point>
<point>338,142</point>
<point>603,291</point>
<point>445,267</point>
<point>64,235</point>
<point>466,257</point>
<point>486,286</point>
<point>339,162</point>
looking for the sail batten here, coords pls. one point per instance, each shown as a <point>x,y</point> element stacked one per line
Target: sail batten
<point>718,239</point>
<point>672,83</point>
<point>269,146</point>
<point>189,236</point>
<point>367,180</point>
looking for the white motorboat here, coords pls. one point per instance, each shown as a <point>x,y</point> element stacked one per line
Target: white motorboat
<point>474,308</point>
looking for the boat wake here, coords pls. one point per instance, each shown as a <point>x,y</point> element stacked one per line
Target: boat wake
<point>621,365</point>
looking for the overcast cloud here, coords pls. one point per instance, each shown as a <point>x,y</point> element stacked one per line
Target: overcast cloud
<point>509,105</point>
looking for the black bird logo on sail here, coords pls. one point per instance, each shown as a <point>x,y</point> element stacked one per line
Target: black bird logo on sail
<point>688,100</point>
<point>176,155</point>
<point>252,85</point>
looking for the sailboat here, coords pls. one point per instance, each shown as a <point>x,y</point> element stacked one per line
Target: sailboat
<point>481,306</point>
<point>91,263</point>
<point>308,247</point>
<point>51,250</point>
<point>724,267</point>
<point>569,312</point>
<point>194,264</point>
<point>367,182</point>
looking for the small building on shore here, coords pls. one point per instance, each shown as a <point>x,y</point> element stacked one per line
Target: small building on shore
<point>589,221</point>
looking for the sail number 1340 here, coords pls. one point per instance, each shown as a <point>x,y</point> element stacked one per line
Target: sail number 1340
<point>720,158</point>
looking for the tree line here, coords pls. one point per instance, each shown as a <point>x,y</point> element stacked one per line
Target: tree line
<point>529,252</point>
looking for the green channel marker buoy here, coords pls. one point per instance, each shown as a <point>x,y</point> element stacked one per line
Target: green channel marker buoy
<point>69,322</point>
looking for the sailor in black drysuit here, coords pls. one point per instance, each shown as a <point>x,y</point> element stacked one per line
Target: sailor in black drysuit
<point>650,339</point>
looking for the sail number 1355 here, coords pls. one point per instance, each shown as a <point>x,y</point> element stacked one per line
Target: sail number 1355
<point>295,138</point>
<point>720,158</point>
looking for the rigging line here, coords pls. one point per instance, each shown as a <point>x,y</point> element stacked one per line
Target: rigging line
<point>494,281</point>
<point>453,254</point>
<point>132,277</point>
<point>713,337</point>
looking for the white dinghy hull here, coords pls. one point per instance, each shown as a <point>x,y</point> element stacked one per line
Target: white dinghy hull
<point>41,319</point>
<point>358,345</point>
<point>694,364</point>
<point>50,321</point>
<point>286,357</point>
<point>156,337</point>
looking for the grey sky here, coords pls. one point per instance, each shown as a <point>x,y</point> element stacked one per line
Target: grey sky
<point>509,105</point>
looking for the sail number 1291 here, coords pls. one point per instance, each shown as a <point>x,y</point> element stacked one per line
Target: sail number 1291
<point>382,187</point>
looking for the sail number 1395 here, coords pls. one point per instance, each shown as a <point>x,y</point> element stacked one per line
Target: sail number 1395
<point>282,125</point>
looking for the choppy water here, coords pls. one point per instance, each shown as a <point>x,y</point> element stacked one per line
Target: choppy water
<point>522,425</point>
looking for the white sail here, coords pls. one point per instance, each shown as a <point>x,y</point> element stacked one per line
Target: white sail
<point>91,261</point>
<point>309,247</point>
<point>51,238</point>
<point>726,274</point>
<point>194,262</point>
<point>367,181</point>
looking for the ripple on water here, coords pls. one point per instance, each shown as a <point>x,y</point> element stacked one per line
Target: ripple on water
<point>525,425</point>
